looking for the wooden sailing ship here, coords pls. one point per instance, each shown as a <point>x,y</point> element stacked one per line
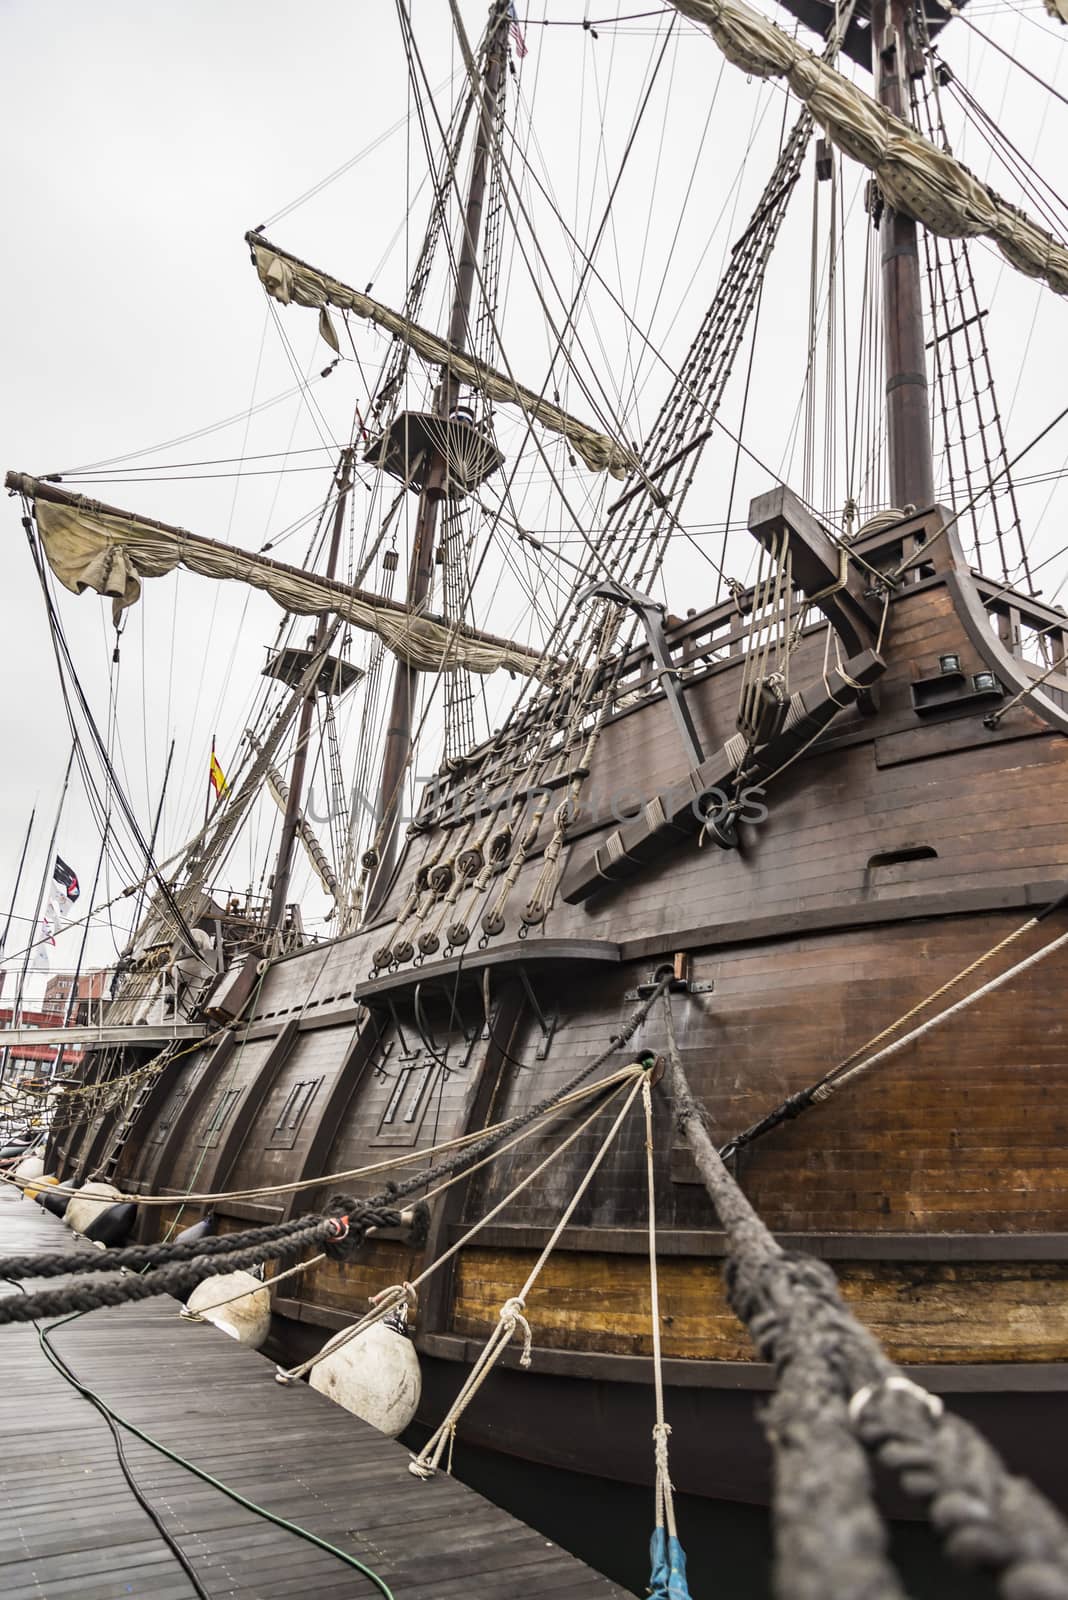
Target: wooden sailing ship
<point>813,803</point>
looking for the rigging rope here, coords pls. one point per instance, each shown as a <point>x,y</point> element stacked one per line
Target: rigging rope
<point>397,1294</point>
<point>511,1318</point>
<point>668,1579</point>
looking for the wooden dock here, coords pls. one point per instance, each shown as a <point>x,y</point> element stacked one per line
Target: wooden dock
<point>71,1529</point>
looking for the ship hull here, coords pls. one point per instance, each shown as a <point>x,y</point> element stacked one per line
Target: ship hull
<point>913,844</point>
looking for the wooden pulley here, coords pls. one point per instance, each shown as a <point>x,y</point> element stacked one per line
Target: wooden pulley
<point>439,878</point>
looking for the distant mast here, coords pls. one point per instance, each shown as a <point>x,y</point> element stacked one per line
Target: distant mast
<point>291,821</point>
<point>14,895</point>
<point>398,743</point>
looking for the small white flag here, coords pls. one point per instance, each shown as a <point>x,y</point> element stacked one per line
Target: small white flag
<point>39,957</point>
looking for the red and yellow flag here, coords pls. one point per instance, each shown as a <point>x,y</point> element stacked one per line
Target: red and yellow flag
<point>217,778</point>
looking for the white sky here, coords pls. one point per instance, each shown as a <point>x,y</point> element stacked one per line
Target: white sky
<point>140,143</point>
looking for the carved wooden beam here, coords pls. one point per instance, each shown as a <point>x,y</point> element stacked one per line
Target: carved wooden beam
<point>819,566</point>
<point>667,818</point>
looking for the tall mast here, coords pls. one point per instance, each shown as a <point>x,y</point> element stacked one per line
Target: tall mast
<point>291,820</point>
<point>907,407</point>
<point>46,879</point>
<point>398,743</point>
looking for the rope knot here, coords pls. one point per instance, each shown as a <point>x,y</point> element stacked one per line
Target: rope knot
<point>511,1315</point>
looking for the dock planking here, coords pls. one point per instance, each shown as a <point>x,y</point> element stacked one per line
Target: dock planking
<point>71,1529</point>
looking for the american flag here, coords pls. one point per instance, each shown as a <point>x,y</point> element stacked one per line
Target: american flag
<point>517,34</point>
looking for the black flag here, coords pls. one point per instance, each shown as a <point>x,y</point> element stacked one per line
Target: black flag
<point>67,878</point>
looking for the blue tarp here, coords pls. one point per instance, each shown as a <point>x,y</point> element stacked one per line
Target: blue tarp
<point>668,1559</point>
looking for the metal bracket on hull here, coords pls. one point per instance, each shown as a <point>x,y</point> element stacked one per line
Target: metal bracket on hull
<point>546,1022</point>
<point>644,990</point>
<point>630,847</point>
<point>681,982</point>
<point>652,613</point>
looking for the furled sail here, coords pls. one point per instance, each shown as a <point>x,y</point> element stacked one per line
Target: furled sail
<point>916,178</point>
<point>93,546</point>
<point>288,279</point>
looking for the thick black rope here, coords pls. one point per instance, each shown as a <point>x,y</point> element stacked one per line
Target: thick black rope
<point>794,1104</point>
<point>839,1395</point>
<point>208,1257</point>
<point>351,1221</point>
<point>138,1257</point>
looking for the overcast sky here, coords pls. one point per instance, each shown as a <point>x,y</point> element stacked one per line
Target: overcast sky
<point>141,141</point>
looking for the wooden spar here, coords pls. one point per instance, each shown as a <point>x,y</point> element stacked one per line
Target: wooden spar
<point>291,821</point>
<point>39,489</point>
<point>907,408</point>
<point>406,683</point>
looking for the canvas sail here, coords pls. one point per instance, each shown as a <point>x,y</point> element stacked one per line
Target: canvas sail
<point>289,280</point>
<point>916,178</point>
<point>90,546</point>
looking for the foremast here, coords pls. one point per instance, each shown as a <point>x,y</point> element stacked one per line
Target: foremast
<point>399,728</point>
<point>291,822</point>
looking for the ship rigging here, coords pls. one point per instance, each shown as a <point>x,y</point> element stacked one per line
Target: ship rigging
<point>784,806</point>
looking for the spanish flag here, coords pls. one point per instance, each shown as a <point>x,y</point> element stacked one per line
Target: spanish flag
<point>217,778</point>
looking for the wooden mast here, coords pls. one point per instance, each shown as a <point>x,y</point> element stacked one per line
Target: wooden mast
<point>908,414</point>
<point>291,819</point>
<point>398,742</point>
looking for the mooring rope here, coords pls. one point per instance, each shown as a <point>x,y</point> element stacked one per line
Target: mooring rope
<point>511,1316</point>
<point>667,1559</point>
<point>397,1291</point>
<point>839,1396</point>
<point>180,1278</point>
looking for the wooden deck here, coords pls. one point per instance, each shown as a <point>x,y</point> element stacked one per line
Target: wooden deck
<point>70,1526</point>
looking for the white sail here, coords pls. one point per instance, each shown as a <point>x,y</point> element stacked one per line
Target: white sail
<point>916,178</point>
<point>290,280</point>
<point>90,546</point>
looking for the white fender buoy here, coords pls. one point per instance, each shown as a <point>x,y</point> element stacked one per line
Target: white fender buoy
<point>87,1204</point>
<point>246,1318</point>
<point>31,1166</point>
<point>32,1190</point>
<point>376,1376</point>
